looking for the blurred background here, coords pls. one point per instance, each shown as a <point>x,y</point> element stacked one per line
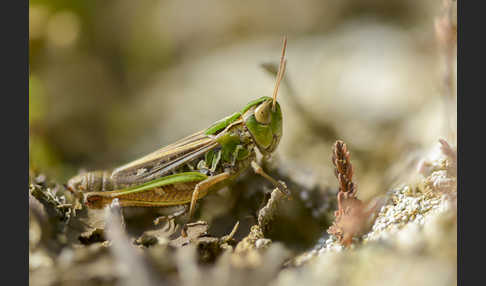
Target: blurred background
<point>114,80</point>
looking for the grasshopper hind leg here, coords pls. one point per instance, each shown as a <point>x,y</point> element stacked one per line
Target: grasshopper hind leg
<point>201,187</point>
<point>204,186</point>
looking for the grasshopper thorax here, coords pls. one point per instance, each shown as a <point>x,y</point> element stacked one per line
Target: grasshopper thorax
<point>265,125</point>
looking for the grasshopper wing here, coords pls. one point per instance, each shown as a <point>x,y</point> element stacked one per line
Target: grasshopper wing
<point>162,161</point>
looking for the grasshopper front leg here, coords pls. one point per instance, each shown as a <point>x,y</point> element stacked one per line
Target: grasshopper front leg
<point>280,185</point>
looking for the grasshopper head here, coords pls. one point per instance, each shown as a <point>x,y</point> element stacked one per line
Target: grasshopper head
<point>264,119</point>
<point>265,125</point>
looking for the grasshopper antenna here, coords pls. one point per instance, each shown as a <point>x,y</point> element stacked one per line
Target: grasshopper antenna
<point>281,71</point>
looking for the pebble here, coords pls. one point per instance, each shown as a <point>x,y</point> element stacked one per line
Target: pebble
<point>262,242</point>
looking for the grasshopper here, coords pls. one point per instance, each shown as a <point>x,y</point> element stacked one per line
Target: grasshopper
<point>187,170</point>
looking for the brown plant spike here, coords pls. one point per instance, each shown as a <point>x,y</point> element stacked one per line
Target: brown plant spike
<point>352,213</point>
<point>343,168</point>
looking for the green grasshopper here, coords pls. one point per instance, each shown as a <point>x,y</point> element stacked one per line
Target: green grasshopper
<point>185,171</point>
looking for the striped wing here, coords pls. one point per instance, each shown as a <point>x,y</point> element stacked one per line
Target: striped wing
<point>162,161</point>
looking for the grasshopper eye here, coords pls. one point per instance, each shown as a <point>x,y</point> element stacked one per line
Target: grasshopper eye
<point>262,113</point>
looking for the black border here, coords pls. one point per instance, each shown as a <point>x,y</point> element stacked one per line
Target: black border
<point>14,215</point>
<point>471,148</point>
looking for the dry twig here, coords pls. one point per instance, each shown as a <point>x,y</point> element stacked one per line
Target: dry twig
<point>352,214</point>
<point>268,212</point>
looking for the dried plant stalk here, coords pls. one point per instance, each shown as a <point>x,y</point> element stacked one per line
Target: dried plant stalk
<point>343,168</point>
<point>268,212</point>
<point>352,213</point>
